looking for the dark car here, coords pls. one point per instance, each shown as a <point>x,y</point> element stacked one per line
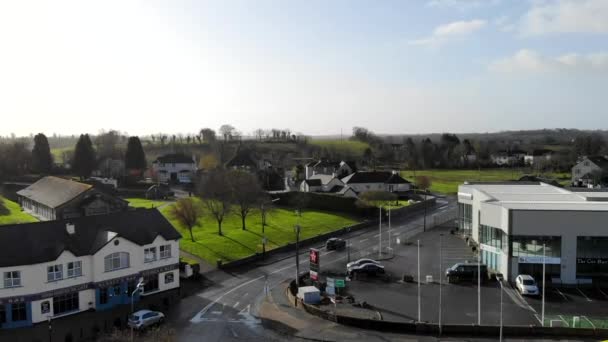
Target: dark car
<point>368,269</point>
<point>335,243</point>
<point>466,272</point>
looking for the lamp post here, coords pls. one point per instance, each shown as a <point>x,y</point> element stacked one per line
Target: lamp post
<point>297,231</point>
<point>138,288</point>
<point>543,301</point>
<point>440,274</point>
<point>50,328</point>
<point>264,240</point>
<point>389,228</point>
<point>501,291</point>
<point>380,232</point>
<point>419,318</point>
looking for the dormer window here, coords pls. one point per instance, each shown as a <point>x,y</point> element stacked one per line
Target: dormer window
<point>150,254</point>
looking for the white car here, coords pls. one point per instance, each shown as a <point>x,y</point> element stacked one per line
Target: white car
<point>526,285</point>
<point>361,262</point>
<point>145,318</point>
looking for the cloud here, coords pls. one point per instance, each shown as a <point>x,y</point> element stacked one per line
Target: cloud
<point>460,4</point>
<point>445,32</point>
<point>566,16</point>
<point>531,61</point>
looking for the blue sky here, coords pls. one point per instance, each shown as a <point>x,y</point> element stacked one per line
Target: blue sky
<point>316,67</point>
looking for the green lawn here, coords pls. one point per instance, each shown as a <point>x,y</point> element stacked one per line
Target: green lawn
<point>144,203</point>
<point>350,148</point>
<point>236,243</point>
<point>447,181</point>
<point>397,205</point>
<point>10,213</point>
<point>58,153</point>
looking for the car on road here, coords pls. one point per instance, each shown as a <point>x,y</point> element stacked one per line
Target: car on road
<point>466,272</point>
<point>145,318</point>
<point>335,244</point>
<point>361,262</point>
<point>526,285</point>
<point>370,269</point>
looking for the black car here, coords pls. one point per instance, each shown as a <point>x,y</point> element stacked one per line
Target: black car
<point>335,243</point>
<point>370,269</point>
<point>466,272</point>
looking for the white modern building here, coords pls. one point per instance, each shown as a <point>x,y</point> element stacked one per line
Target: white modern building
<point>518,225</point>
<point>56,268</point>
<point>174,168</point>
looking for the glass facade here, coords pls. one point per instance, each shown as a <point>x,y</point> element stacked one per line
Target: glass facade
<point>465,218</point>
<point>530,246</point>
<point>591,256</point>
<point>493,240</point>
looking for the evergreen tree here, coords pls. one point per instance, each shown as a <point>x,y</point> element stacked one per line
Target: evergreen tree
<point>84,157</point>
<point>42,161</point>
<point>135,158</point>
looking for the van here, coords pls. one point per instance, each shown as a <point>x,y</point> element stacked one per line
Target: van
<point>466,272</point>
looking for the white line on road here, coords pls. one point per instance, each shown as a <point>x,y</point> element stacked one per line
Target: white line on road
<point>538,319</point>
<point>234,333</point>
<point>584,295</point>
<point>328,252</point>
<point>602,292</point>
<point>560,292</point>
<point>588,320</point>
<point>236,304</point>
<point>363,240</point>
<point>396,234</point>
<point>376,235</point>
<point>563,320</point>
<point>246,293</point>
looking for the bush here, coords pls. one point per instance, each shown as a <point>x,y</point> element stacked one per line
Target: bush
<point>325,202</point>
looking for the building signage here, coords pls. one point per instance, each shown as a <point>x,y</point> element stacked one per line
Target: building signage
<point>539,260</point>
<point>45,307</point>
<point>489,248</point>
<point>592,261</point>
<point>314,275</point>
<point>340,283</point>
<point>314,260</point>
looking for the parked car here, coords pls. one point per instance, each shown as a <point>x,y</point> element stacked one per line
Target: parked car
<point>361,262</point>
<point>335,243</point>
<point>466,272</point>
<point>526,285</point>
<point>145,318</point>
<point>368,269</point>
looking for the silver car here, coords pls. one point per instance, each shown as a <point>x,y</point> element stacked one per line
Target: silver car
<point>361,262</point>
<point>145,318</point>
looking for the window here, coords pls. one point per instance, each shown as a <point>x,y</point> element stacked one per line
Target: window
<point>150,254</point>
<point>150,315</point>
<point>591,256</point>
<point>493,237</point>
<point>55,272</point>
<point>165,251</point>
<point>103,295</point>
<point>151,283</point>
<point>116,261</point>
<point>169,277</point>
<point>465,218</point>
<point>12,279</point>
<point>65,303</point>
<point>74,269</point>
<point>19,312</point>
<point>531,246</point>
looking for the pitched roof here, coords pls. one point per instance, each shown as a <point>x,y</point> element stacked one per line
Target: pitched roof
<point>373,177</point>
<point>541,152</point>
<point>174,158</point>
<point>313,182</point>
<point>243,157</point>
<point>45,241</point>
<point>325,179</point>
<point>54,191</point>
<point>600,161</point>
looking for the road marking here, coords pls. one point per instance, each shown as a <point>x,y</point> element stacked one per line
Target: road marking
<point>363,240</point>
<point>396,234</point>
<point>234,333</point>
<point>328,253</point>
<point>376,235</point>
<point>518,299</point>
<point>602,292</point>
<point>236,304</point>
<point>246,293</point>
<point>584,295</point>
<point>216,312</point>
<point>563,320</point>
<point>560,292</point>
<point>588,320</point>
<point>245,309</point>
<point>538,319</point>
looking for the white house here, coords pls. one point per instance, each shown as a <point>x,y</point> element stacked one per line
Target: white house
<point>57,268</point>
<point>322,183</point>
<point>325,167</point>
<point>511,157</point>
<point>376,181</point>
<point>174,168</point>
<point>538,156</point>
<point>589,170</point>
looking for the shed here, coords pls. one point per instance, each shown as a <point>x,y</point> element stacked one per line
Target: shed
<point>309,294</point>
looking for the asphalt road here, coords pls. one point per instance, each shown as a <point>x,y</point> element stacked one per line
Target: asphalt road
<point>226,311</point>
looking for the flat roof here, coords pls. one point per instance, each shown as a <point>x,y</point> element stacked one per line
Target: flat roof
<point>537,196</point>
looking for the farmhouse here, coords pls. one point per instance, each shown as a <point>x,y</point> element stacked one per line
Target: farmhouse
<point>54,198</point>
<point>174,168</point>
<point>86,263</point>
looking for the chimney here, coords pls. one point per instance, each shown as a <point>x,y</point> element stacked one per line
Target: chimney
<point>70,228</point>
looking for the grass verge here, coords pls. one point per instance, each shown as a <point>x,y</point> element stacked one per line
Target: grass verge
<point>10,213</point>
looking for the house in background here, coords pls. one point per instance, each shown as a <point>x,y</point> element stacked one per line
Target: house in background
<point>508,157</point>
<point>376,181</point>
<point>590,171</point>
<point>537,157</point>
<point>325,167</point>
<point>322,183</point>
<point>110,168</point>
<point>54,198</point>
<point>174,168</point>
<point>57,268</point>
<point>246,159</point>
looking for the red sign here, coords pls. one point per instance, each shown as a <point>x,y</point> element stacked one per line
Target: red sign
<point>314,256</point>
<point>314,275</point>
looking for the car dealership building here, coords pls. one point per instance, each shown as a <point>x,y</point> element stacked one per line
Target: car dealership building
<point>518,224</point>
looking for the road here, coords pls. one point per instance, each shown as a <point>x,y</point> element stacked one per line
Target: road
<point>226,311</point>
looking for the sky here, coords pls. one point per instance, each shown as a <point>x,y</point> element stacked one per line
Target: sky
<point>317,67</point>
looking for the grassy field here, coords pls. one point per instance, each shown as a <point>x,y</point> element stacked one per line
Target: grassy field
<point>343,147</point>
<point>10,213</point>
<point>447,181</point>
<point>58,153</point>
<point>237,243</point>
<point>144,203</point>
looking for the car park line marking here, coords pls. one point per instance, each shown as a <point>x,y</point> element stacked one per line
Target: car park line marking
<point>396,234</point>
<point>376,235</point>
<point>588,320</point>
<point>560,292</point>
<point>602,292</point>
<point>236,304</point>
<point>538,319</point>
<point>584,295</point>
<point>519,299</point>
<point>329,252</point>
<point>363,240</point>
<point>563,320</point>
<point>234,333</point>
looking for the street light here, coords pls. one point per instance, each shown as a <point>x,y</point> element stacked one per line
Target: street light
<point>380,232</point>
<point>501,291</point>
<point>440,274</point>
<point>50,328</point>
<point>544,277</point>
<point>264,240</point>
<point>138,288</point>
<point>297,230</point>
<point>419,318</point>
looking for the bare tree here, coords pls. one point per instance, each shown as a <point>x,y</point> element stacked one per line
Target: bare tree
<point>216,195</point>
<point>227,131</point>
<point>246,192</point>
<point>187,212</point>
<point>259,133</point>
<point>423,183</point>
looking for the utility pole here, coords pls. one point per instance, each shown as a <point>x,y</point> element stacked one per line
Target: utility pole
<point>389,228</point>
<point>297,230</point>
<point>419,318</point>
<point>543,304</point>
<point>479,284</point>
<point>380,233</point>
<point>440,276</point>
<point>424,220</point>
<point>501,291</point>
